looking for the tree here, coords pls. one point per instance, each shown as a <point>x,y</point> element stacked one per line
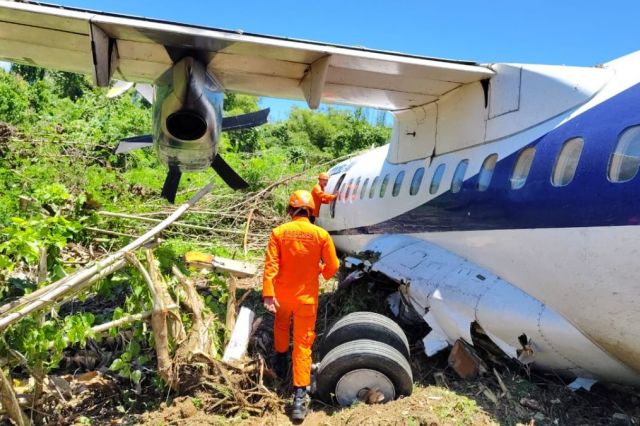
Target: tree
<point>14,98</point>
<point>29,73</point>
<point>247,140</point>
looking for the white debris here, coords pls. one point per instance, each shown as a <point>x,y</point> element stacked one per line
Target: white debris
<point>394,300</point>
<point>581,382</point>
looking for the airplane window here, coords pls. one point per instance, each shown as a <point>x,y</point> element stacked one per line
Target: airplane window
<point>398,184</point>
<point>383,186</point>
<point>486,172</point>
<point>354,195</point>
<point>437,178</point>
<point>348,191</point>
<point>416,181</point>
<point>336,191</point>
<point>522,167</point>
<point>364,188</point>
<point>458,176</point>
<point>374,184</point>
<point>567,162</point>
<point>625,160</point>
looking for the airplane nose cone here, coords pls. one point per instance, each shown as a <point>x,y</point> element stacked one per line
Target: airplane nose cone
<point>186,125</point>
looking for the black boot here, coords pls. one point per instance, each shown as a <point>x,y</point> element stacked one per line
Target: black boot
<point>280,365</point>
<point>299,409</point>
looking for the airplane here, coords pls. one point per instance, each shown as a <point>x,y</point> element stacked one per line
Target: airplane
<point>505,205</point>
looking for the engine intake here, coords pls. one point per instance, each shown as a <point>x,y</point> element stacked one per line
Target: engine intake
<point>186,125</point>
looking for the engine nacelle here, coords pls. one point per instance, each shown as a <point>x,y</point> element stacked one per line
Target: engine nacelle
<point>187,116</point>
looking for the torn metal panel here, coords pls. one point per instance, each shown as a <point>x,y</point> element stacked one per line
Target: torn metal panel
<point>509,350</point>
<point>452,293</point>
<point>436,340</point>
<point>452,315</point>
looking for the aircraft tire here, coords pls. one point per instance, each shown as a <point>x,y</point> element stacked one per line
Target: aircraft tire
<point>360,366</point>
<point>365,325</point>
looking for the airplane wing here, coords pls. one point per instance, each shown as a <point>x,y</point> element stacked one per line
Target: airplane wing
<point>140,50</point>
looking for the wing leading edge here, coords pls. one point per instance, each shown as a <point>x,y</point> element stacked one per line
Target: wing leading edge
<point>134,49</point>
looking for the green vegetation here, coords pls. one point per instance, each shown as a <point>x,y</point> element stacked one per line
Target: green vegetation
<point>57,169</point>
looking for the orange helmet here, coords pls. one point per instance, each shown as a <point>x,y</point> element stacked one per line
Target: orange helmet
<point>301,199</point>
<point>323,176</point>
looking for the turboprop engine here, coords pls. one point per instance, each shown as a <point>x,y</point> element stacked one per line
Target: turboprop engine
<point>187,121</point>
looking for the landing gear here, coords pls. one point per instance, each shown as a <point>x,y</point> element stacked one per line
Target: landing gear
<point>365,325</point>
<point>363,370</point>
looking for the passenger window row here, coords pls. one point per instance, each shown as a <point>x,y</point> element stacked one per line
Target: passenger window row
<point>624,164</point>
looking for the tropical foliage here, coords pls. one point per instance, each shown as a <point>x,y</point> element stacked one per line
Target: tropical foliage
<point>57,168</point>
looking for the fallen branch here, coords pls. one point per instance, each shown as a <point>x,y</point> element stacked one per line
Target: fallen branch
<point>10,402</point>
<point>176,328</point>
<point>79,278</point>
<point>269,188</point>
<point>152,220</point>
<point>158,325</point>
<point>231,304</point>
<point>125,320</point>
<point>48,298</point>
<point>198,341</point>
<point>107,232</point>
<point>245,240</point>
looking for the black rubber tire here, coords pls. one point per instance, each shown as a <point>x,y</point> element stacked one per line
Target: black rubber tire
<point>365,325</point>
<point>363,354</point>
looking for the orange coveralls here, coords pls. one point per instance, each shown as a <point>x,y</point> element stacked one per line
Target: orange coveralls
<point>291,276</point>
<point>320,197</point>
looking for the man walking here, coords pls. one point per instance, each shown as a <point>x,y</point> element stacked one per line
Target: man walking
<point>290,289</point>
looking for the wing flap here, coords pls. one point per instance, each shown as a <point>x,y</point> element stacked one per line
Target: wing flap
<point>246,63</point>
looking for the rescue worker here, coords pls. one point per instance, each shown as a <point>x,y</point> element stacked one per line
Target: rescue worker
<point>319,196</point>
<point>290,289</point>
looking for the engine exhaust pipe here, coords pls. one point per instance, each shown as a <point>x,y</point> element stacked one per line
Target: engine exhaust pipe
<point>186,125</point>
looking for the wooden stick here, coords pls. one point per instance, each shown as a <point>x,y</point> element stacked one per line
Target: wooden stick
<point>107,232</point>
<point>231,304</point>
<point>176,328</point>
<point>505,391</point>
<point>245,240</point>
<point>120,322</point>
<point>125,320</point>
<point>10,402</point>
<point>246,294</point>
<point>99,267</point>
<point>265,190</point>
<point>39,365</point>
<point>159,326</point>
<point>152,220</point>
<point>45,299</point>
<point>198,339</point>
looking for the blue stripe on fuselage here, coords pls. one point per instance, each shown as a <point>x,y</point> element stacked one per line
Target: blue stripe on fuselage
<point>589,200</point>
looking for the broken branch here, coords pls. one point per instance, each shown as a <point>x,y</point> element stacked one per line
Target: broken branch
<point>101,268</point>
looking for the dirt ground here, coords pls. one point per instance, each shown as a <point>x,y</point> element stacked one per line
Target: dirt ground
<point>427,406</point>
<point>524,397</point>
<point>535,401</point>
<point>506,394</point>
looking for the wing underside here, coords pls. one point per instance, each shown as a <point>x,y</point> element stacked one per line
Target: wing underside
<point>135,49</point>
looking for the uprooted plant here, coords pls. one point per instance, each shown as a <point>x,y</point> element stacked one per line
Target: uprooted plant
<point>39,330</point>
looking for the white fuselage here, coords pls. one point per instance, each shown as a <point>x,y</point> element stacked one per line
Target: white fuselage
<point>573,246</point>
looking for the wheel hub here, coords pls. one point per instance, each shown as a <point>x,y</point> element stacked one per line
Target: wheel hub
<point>365,385</point>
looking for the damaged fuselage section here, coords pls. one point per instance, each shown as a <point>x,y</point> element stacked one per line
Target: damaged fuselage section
<point>454,297</point>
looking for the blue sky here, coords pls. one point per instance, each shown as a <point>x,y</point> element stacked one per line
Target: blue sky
<point>536,31</point>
